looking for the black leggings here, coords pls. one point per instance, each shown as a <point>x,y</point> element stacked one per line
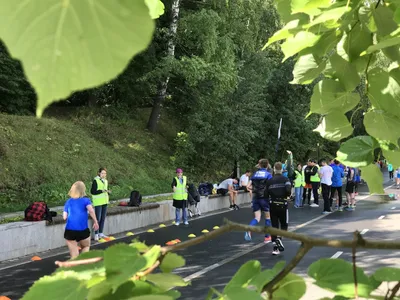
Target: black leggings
<point>279,216</point>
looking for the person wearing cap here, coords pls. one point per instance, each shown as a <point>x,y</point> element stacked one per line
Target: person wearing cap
<point>277,191</point>
<point>180,196</point>
<point>258,184</point>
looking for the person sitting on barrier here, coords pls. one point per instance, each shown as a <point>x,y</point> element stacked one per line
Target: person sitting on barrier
<point>76,214</point>
<point>226,187</point>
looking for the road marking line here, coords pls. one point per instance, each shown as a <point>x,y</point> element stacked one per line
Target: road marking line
<point>337,254</point>
<point>394,207</point>
<point>381,217</point>
<point>240,254</point>
<point>364,231</point>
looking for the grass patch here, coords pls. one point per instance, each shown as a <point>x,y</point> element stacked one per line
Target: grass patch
<point>41,158</point>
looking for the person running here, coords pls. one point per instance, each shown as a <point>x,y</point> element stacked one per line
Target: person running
<point>278,189</point>
<point>227,187</point>
<point>180,197</point>
<point>298,186</point>
<point>338,174</point>
<point>390,169</point>
<point>258,185</point>
<point>350,189</point>
<point>100,197</point>
<point>398,178</point>
<point>325,174</point>
<point>76,214</point>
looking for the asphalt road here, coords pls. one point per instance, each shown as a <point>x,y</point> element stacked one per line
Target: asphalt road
<point>214,262</point>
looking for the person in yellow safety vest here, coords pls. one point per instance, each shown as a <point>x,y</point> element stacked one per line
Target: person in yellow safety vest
<point>315,182</point>
<point>100,200</point>
<point>299,184</point>
<point>180,196</point>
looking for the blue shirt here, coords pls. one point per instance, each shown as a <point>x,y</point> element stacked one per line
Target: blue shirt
<point>337,176</point>
<point>285,171</point>
<point>77,213</point>
<point>261,174</point>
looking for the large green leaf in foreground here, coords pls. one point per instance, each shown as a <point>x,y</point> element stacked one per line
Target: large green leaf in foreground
<point>70,45</point>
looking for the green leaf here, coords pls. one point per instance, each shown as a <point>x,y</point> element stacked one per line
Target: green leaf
<point>387,274</point>
<point>327,42</point>
<point>336,275</point>
<point>62,285</point>
<point>329,95</point>
<point>382,125</point>
<point>292,287</point>
<point>238,293</point>
<point>307,69</point>
<point>385,43</point>
<point>385,24</point>
<point>365,16</point>
<point>396,16</point>
<point>355,42</point>
<point>261,279</point>
<point>166,281</point>
<point>345,72</point>
<point>335,127</point>
<point>310,7</point>
<point>384,90</point>
<point>87,271</point>
<point>300,41</point>
<point>122,262</point>
<point>373,176</point>
<point>151,256</point>
<point>66,46</point>
<point>393,156</point>
<point>246,272</point>
<point>140,246</point>
<point>152,297</point>
<point>288,31</point>
<point>156,8</point>
<point>329,15</point>
<point>172,261</point>
<point>358,151</point>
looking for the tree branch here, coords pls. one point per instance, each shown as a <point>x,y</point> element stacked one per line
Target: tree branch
<point>148,271</point>
<point>394,291</point>
<point>73,263</point>
<point>303,250</point>
<point>356,237</point>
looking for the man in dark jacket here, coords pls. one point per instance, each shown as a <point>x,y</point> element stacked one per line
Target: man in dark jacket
<point>277,191</point>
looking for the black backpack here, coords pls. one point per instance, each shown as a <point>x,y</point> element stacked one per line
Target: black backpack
<point>135,199</point>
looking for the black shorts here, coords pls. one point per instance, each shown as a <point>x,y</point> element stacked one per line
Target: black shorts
<point>222,192</point>
<point>244,188</point>
<point>350,187</point>
<point>76,235</point>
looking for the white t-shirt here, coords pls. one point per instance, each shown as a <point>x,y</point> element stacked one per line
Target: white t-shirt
<point>326,174</point>
<point>244,180</point>
<point>225,184</point>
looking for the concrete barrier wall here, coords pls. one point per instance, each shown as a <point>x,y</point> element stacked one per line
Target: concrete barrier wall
<point>24,238</point>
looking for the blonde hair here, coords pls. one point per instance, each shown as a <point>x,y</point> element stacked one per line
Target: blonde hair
<point>78,190</point>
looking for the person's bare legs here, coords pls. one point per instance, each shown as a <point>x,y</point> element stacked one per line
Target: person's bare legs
<point>85,245</point>
<point>73,248</point>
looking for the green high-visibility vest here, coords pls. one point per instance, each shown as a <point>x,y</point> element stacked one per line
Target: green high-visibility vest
<point>102,198</point>
<point>315,178</point>
<point>299,181</point>
<point>180,191</point>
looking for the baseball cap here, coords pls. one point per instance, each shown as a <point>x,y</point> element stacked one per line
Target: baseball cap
<point>179,170</point>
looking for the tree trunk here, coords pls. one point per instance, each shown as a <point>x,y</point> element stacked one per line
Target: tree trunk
<point>162,89</point>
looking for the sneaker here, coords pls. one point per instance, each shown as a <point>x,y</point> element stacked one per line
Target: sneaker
<point>247,236</point>
<point>296,206</point>
<point>186,223</point>
<point>267,239</point>
<point>231,207</point>
<point>102,235</point>
<point>96,237</point>
<point>349,208</point>
<point>314,205</point>
<point>275,251</point>
<point>279,244</point>
<point>340,208</point>
<point>326,212</point>
<point>177,223</point>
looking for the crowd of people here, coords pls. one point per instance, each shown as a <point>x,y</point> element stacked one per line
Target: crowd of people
<point>270,190</point>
